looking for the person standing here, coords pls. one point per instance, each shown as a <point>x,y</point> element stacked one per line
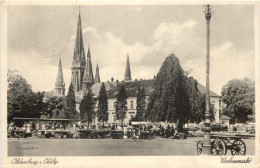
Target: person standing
<point>37,126</point>
<point>125,130</point>
<point>172,131</point>
<point>28,129</point>
<point>11,129</point>
<point>74,130</point>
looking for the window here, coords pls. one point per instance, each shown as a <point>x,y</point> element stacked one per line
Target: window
<point>114,118</point>
<point>132,104</point>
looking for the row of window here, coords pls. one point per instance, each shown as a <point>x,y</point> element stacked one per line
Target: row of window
<point>131,104</point>
<point>115,119</point>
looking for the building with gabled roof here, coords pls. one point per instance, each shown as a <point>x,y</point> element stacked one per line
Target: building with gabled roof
<point>131,88</point>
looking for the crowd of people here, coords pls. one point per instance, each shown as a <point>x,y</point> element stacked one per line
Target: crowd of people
<point>129,130</point>
<point>135,131</point>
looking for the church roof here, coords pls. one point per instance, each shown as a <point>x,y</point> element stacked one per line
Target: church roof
<point>128,76</point>
<point>59,80</point>
<point>88,74</point>
<point>79,53</point>
<point>97,77</point>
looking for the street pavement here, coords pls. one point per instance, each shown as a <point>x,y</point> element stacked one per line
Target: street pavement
<point>108,147</point>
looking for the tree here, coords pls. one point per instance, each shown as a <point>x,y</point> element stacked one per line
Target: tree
<point>21,100</point>
<point>197,102</point>
<point>102,113</point>
<point>37,104</point>
<point>71,103</point>
<point>121,104</point>
<point>239,98</point>
<point>87,107</point>
<point>54,107</point>
<point>140,105</point>
<point>196,99</point>
<point>169,100</point>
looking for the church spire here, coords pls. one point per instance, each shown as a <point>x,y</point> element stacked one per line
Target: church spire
<point>127,70</point>
<point>88,78</point>
<point>79,53</point>
<point>97,78</point>
<point>79,60</point>
<point>59,84</point>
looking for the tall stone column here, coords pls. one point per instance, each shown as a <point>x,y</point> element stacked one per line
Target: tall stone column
<point>206,150</point>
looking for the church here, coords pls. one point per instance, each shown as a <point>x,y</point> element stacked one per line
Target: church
<point>82,79</point>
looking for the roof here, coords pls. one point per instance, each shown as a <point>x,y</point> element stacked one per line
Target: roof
<point>202,89</point>
<point>127,70</point>
<point>97,77</point>
<point>131,88</point>
<point>59,79</point>
<point>79,53</point>
<point>224,117</point>
<point>88,73</point>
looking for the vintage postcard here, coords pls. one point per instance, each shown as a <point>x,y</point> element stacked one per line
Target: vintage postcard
<point>130,84</point>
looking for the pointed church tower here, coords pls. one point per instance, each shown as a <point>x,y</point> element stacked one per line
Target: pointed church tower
<point>88,79</point>
<point>79,61</point>
<point>59,84</point>
<point>127,70</point>
<point>97,78</point>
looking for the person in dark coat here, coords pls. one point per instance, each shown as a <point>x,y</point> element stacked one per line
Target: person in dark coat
<point>173,130</point>
<point>167,132</point>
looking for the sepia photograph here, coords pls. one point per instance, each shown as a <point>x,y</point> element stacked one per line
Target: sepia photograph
<point>134,80</point>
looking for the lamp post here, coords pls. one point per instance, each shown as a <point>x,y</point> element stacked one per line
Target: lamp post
<point>206,148</point>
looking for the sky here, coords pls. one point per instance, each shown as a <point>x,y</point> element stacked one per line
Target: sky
<point>38,36</point>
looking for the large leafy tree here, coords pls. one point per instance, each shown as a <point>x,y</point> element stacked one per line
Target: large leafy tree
<point>70,111</point>
<point>197,102</point>
<point>102,113</point>
<point>21,100</point>
<point>87,107</point>
<point>121,104</point>
<point>239,98</point>
<point>170,100</point>
<point>196,99</point>
<point>54,106</point>
<point>140,105</point>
